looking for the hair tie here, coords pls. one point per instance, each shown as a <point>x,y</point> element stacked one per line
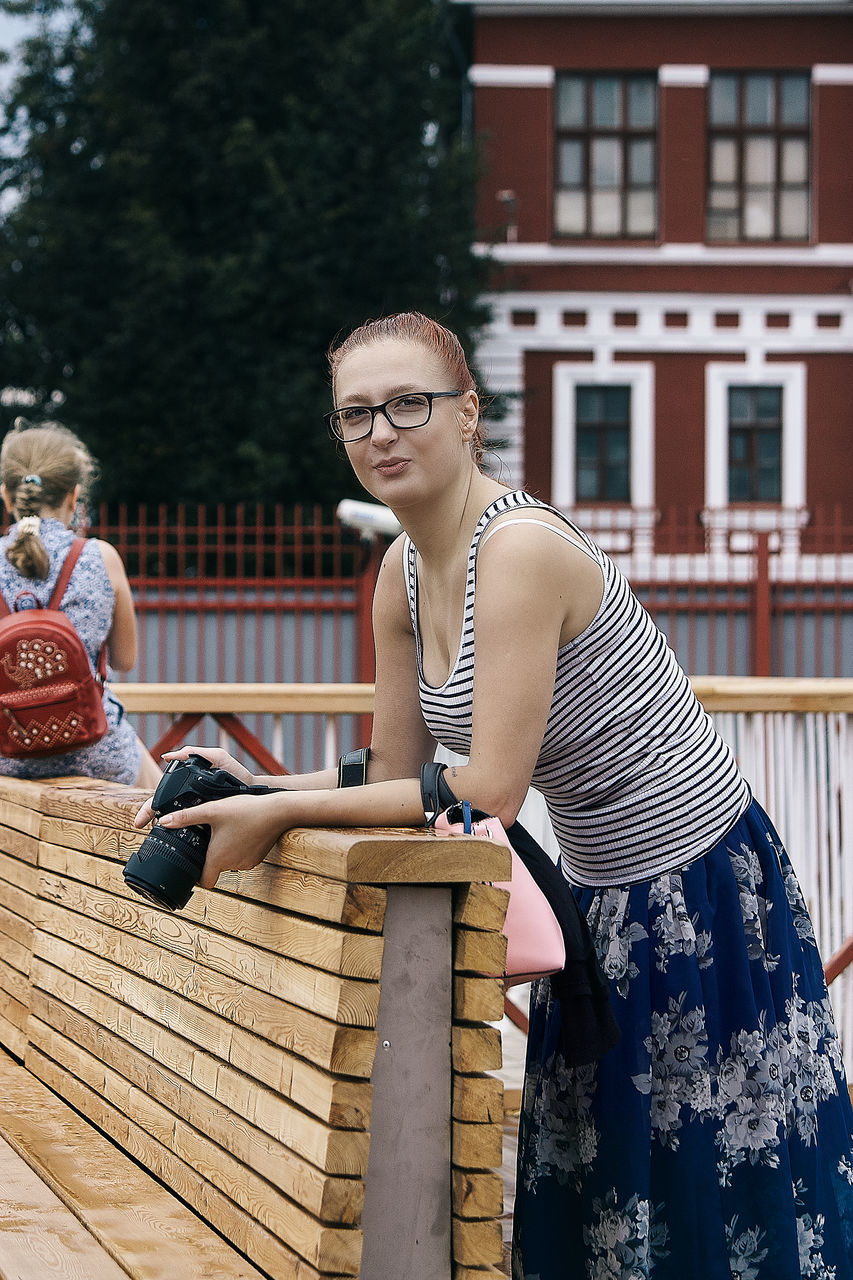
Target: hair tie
<point>32,480</point>
<point>29,524</point>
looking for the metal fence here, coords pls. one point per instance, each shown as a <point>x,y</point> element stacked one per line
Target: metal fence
<point>275,595</point>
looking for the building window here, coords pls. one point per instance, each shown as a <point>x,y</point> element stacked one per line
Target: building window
<point>606,163</point>
<point>603,444</point>
<point>755,444</point>
<point>758,156</point>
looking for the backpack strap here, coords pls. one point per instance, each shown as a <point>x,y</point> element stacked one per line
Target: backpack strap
<point>62,581</point>
<point>65,572</point>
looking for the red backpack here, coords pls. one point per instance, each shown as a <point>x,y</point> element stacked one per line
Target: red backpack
<point>50,700</point>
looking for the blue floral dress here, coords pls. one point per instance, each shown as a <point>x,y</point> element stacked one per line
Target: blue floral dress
<point>89,602</point>
<point>716,1139</point>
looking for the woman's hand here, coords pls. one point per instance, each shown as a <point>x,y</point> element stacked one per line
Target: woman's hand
<point>218,758</point>
<point>243,829</point>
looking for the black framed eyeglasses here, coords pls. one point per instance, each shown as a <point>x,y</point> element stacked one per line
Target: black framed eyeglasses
<point>413,409</point>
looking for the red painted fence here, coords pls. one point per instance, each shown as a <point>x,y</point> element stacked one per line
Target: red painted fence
<point>759,606</point>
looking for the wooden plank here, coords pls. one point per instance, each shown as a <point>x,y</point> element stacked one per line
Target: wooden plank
<point>13,1011</point>
<point>477,1242</point>
<point>12,1038</point>
<point>288,1136</point>
<point>142,1225</point>
<point>342,1103</point>
<point>477,999</point>
<point>358,906</point>
<point>462,1272</point>
<point>477,1195</point>
<point>240,699</point>
<point>477,1146</point>
<point>478,1099</point>
<point>480,906</point>
<point>117,843</point>
<point>230,934</point>
<point>348,1001</point>
<point>476,1049</point>
<point>405,856</point>
<point>18,843</point>
<point>16,928</point>
<point>21,877</point>
<point>476,951</point>
<point>41,1238</point>
<point>773,693</point>
<point>18,819</point>
<point>263,1176</point>
<point>13,981</point>
<point>803,694</point>
<point>14,956</point>
<point>240,1026</point>
<point>21,791</point>
<point>327,1248</point>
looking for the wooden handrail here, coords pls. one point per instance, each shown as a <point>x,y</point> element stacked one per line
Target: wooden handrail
<point>773,693</point>
<point>273,699</point>
<point>716,693</point>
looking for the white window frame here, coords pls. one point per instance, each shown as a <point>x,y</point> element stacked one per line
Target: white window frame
<point>791,377</point>
<point>567,376</point>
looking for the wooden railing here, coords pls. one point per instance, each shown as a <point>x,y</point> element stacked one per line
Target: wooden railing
<point>793,738</point>
<point>303,1055</point>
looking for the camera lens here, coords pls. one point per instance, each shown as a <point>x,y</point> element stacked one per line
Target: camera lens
<point>167,865</point>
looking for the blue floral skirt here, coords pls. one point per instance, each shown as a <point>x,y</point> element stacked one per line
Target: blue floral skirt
<point>716,1139</point>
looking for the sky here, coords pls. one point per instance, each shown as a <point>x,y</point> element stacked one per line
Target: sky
<point>12,30</point>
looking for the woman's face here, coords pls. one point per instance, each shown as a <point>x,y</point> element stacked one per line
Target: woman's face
<point>396,466</point>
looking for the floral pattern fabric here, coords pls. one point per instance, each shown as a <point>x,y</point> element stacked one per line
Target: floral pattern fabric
<point>88,601</point>
<point>715,1141</point>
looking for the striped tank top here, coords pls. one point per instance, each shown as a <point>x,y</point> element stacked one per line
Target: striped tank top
<point>636,779</point>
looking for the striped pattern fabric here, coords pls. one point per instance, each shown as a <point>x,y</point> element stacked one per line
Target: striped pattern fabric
<point>636,779</point>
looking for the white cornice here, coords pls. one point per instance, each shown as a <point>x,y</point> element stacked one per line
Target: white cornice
<point>832,73</point>
<point>686,76</point>
<point>543,254</point>
<point>498,75</point>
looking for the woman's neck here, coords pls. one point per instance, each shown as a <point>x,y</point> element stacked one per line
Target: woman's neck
<point>440,529</point>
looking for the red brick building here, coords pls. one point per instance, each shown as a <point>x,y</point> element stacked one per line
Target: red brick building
<point>667,196</point>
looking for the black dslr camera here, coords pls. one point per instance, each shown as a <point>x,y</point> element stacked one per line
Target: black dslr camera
<point>168,864</point>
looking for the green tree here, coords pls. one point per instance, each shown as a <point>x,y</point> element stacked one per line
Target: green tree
<point>200,196</point>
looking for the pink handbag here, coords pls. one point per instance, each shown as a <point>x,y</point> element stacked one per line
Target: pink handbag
<point>535,943</point>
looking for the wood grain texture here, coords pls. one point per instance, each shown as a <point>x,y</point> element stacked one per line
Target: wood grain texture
<point>292,1199</point>
<point>477,1195</point>
<point>406,856</point>
<point>476,951</point>
<point>211,1201</point>
<point>232,934</point>
<point>229,1047</point>
<point>477,1146</point>
<point>476,1049</point>
<point>39,1236</point>
<point>212,975</point>
<point>342,1103</point>
<point>479,1099</point>
<point>475,1243</point>
<point>318,897</point>
<point>257,1125</point>
<point>244,1028</point>
<point>142,1226</point>
<point>480,906</point>
<point>477,999</point>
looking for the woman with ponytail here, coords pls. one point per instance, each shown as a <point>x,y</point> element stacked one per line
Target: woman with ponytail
<point>45,471</point>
